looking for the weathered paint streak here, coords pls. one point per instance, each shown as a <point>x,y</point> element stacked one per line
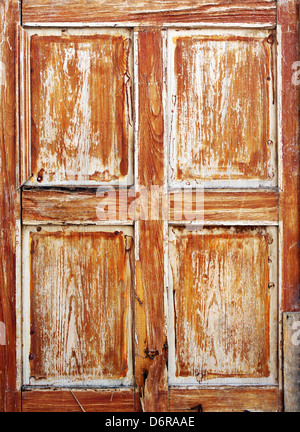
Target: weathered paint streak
<point>80,307</point>
<point>149,12</point>
<point>23,88</point>
<point>222,98</point>
<point>9,208</point>
<point>80,94</point>
<point>221,302</point>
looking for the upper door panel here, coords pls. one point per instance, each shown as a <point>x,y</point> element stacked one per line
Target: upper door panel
<point>80,100</point>
<point>222,99</point>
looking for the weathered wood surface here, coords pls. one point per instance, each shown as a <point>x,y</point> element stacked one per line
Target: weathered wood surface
<point>224,206</point>
<point>151,345</point>
<point>289,115</point>
<point>24,122</point>
<point>149,12</point>
<point>222,289</point>
<point>52,206</point>
<point>115,400</point>
<point>223,95</point>
<point>291,356</point>
<point>81,127</point>
<point>9,210</point>
<point>80,290</point>
<point>228,399</point>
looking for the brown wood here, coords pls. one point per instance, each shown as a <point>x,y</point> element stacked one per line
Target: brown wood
<point>80,306</point>
<point>81,107</point>
<point>291,357</point>
<point>115,400</point>
<point>53,206</point>
<point>149,12</point>
<point>289,91</point>
<point>224,107</point>
<point>226,399</point>
<point>221,299</point>
<point>23,88</point>
<point>151,346</point>
<point>9,208</point>
<point>224,206</point>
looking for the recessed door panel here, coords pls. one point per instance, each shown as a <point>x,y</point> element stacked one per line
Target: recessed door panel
<point>222,108</point>
<point>223,294</point>
<point>81,112</point>
<point>77,290</point>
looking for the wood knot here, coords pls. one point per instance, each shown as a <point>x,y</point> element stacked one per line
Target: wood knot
<point>151,354</point>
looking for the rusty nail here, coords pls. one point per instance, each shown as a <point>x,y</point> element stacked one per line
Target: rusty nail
<point>32,332</point>
<point>270,240</point>
<point>270,142</point>
<point>31,357</point>
<point>270,38</point>
<point>39,179</point>
<point>271,285</point>
<point>269,78</point>
<point>39,229</point>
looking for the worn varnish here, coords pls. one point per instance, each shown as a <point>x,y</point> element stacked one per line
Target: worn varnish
<point>23,153</point>
<point>221,289</point>
<point>289,128</point>
<point>149,12</point>
<point>54,206</point>
<point>222,99</point>
<point>104,400</point>
<point>9,203</point>
<point>81,110</point>
<point>224,206</point>
<point>226,399</point>
<point>151,341</point>
<point>80,307</point>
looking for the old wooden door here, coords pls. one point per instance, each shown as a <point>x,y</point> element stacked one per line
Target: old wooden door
<point>154,205</point>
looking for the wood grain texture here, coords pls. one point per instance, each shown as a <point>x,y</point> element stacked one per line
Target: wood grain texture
<point>222,92</point>
<point>291,356</point>
<point>54,206</point>
<point>151,345</point>
<point>224,206</point>
<point>221,299</point>
<point>228,399</point>
<point>9,209</point>
<point>116,400</point>
<point>149,12</point>
<point>80,307</point>
<point>289,114</point>
<point>23,87</point>
<point>81,107</point>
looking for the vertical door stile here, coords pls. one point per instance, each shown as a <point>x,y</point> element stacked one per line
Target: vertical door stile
<point>151,346</point>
